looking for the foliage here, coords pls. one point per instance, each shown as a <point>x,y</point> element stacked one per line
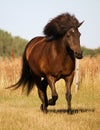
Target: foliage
<point>14,46</point>
<point>91,52</point>
<point>10,45</point>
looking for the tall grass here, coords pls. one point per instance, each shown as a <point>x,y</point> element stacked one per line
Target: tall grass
<point>19,112</point>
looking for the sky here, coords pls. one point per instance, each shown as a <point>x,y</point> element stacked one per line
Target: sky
<point>27,18</point>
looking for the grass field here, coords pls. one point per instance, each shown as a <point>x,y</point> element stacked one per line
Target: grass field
<point>19,112</point>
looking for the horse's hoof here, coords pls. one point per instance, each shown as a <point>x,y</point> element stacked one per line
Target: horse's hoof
<point>42,109</point>
<point>45,111</point>
<point>69,112</point>
<point>51,102</point>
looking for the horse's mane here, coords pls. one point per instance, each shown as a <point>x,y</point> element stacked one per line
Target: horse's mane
<point>59,25</point>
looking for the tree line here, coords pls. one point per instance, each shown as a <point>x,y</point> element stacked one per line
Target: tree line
<point>91,52</point>
<point>11,46</point>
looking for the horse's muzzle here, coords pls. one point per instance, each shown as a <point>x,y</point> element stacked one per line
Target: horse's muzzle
<point>78,55</point>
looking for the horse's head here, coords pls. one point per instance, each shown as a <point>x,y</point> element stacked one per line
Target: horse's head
<point>72,38</point>
<point>65,25</point>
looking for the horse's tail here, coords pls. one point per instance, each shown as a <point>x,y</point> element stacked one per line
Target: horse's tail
<point>27,77</point>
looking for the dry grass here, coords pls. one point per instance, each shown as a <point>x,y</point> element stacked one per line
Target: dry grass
<point>19,112</point>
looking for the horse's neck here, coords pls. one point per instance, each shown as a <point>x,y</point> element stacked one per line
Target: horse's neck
<point>60,46</point>
<point>64,49</point>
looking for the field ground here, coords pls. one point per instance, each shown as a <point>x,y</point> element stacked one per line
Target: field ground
<point>19,112</point>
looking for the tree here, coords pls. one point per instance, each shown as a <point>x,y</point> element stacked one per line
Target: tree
<point>9,44</point>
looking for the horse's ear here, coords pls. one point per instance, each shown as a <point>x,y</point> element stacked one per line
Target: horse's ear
<point>80,24</point>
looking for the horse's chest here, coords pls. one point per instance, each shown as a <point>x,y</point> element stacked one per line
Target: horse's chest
<point>68,68</point>
<point>61,67</point>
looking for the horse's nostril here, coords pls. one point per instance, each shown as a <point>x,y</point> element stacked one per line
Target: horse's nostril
<point>78,55</point>
<point>75,53</point>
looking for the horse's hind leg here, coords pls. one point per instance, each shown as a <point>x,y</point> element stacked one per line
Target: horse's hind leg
<point>42,87</point>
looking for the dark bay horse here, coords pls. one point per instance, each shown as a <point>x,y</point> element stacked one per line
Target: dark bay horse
<point>48,58</point>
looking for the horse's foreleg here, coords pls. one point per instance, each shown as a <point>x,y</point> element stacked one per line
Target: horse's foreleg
<point>42,87</point>
<point>51,82</point>
<point>69,80</point>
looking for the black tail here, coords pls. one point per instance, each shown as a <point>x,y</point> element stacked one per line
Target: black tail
<point>27,77</point>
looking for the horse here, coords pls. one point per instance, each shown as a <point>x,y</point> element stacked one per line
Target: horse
<point>51,57</point>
